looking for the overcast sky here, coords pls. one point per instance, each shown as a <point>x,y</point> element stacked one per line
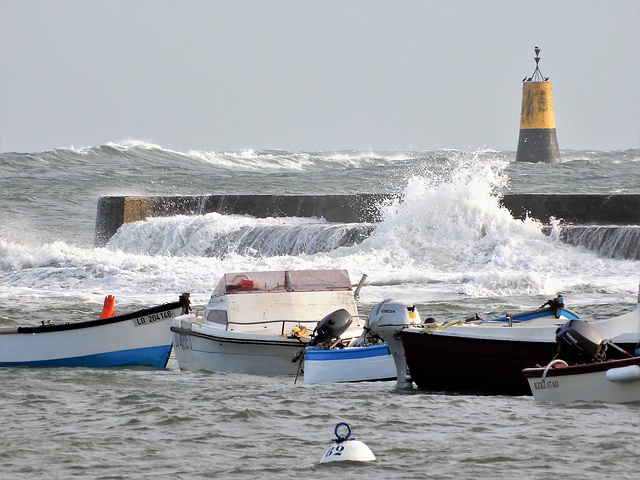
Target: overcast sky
<point>314,75</point>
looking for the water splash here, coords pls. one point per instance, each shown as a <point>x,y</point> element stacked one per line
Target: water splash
<point>609,241</point>
<point>448,226</point>
<point>216,235</point>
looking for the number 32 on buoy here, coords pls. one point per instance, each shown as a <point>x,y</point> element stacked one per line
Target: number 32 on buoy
<point>347,448</point>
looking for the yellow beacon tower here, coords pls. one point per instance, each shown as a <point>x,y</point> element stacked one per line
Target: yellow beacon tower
<point>537,142</point>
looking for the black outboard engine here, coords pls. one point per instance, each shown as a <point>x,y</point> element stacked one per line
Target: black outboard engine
<point>578,342</point>
<point>331,327</point>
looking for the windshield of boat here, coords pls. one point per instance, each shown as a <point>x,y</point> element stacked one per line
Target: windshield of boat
<point>283,281</point>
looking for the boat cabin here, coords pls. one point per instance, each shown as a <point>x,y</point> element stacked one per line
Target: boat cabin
<point>275,302</point>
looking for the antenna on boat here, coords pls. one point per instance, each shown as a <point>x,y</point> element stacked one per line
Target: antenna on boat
<point>356,294</point>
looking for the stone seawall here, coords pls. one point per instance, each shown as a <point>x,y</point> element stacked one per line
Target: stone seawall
<point>577,209</point>
<point>571,209</point>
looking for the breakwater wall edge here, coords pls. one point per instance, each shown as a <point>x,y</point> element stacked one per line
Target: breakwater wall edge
<point>574,211</point>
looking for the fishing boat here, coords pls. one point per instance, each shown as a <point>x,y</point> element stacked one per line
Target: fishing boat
<point>137,338</point>
<point>478,356</point>
<point>257,322</point>
<point>581,371</point>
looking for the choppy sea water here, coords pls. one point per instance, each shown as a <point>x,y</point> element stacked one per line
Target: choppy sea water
<point>448,247</point>
<point>137,423</point>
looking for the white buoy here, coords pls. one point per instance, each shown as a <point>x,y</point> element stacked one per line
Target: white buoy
<point>630,373</point>
<point>346,448</point>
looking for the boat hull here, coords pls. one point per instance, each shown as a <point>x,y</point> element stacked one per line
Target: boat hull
<point>490,359</point>
<point>472,365</point>
<point>200,347</point>
<point>140,338</point>
<point>355,364</point>
<point>615,381</point>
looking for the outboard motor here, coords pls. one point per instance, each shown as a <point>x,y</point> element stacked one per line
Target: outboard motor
<point>331,327</point>
<point>578,342</point>
<point>387,319</point>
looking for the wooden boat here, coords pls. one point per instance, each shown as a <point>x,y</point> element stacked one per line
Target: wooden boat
<point>613,381</point>
<point>580,371</point>
<point>137,338</point>
<point>489,356</point>
<point>256,322</point>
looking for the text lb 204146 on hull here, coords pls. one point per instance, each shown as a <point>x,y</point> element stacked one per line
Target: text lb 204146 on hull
<point>140,338</point>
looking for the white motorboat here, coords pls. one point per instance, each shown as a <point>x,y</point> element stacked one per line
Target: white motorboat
<point>256,322</point>
<point>366,358</point>
<point>138,338</point>
<point>580,371</point>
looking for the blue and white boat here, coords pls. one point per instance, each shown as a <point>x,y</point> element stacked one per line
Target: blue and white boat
<point>140,338</point>
<point>350,364</point>
<point>365,358</point>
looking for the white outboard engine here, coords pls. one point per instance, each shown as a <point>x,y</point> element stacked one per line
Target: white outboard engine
<point>387,319</point>
<point>331,327</point>
<point>578,342</point>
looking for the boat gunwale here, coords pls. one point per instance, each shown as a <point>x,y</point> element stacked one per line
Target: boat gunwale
<point>251,341</point>
<point>538,372</point>
<point>59,327</point>
<point>534,315</point>
<point>318,354</point>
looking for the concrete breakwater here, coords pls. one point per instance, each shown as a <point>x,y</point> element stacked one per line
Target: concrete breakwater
<point>115,211</point>
<point>580,212</point>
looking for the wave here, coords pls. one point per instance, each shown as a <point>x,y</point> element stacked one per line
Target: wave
<point>216,235</point>
<point>142,167</point>
<point>448,227</point>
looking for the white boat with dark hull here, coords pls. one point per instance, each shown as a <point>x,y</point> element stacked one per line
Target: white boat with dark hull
<point>580,371</point>
<point>140,338</point>
<point>486,356</point>
<point>256,322</point>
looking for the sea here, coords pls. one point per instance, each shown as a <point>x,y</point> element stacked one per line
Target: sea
<point>444,244</point>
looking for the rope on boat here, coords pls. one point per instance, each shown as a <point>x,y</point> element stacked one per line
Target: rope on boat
<point>437,327</point>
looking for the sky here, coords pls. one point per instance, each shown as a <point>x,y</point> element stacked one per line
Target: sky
<point>314,75</point>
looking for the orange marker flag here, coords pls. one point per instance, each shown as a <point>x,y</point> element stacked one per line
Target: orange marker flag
<point>107,309</point>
